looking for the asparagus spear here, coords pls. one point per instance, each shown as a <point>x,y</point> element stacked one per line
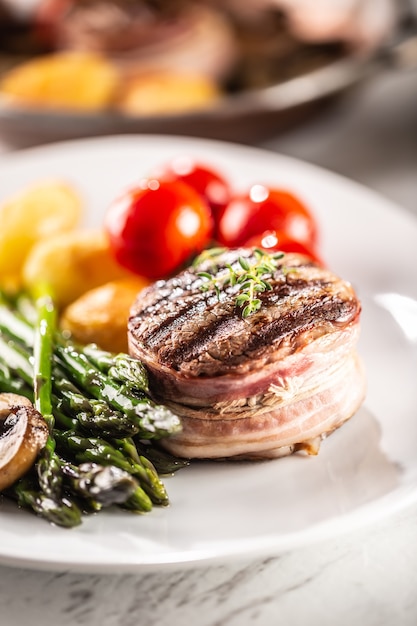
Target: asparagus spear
<point>11,384</point>
<point>94,415</point>
<point>44,497</point>
<point>119,380</point>
<point>143,467</point>
<point>134,412</point>
<point>63,513</point>
<point>43,350</point>
<point>16,359</point>
<point>49,465</point>
<point>14,326</point>
<point>128,411</point>
<point>121,367</point>
<point>102,485</point>
<point>153,421</point>
<point>83,447</point>
<point>95,484</point>
<point>98,450</point>
<point>164,462</point>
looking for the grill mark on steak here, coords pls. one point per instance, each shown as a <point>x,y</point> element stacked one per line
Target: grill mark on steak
<point>189,330</point>
<point>325,311</point>
<point>169,307</point>
<point>200,341</point>
<point>172,320</point>
<point>308,313</point>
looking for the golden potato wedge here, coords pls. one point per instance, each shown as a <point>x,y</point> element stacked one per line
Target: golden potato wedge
<point>165,93</point>
<point>72,263</point>
<point>100,315</point>
<point>42,210</point>
<point>66,80</point>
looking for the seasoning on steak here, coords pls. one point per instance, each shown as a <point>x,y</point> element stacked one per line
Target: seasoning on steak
<point>261,386</point>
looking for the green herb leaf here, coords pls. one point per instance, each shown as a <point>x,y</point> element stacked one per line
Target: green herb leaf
<point>242,298</point>
<point>250,277</point>
<point>244,263</point>
<point>205,275</point>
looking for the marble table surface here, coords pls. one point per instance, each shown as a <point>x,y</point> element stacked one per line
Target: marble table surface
<point>367,577</point>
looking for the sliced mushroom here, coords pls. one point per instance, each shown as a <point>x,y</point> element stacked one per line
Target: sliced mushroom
<point>23,434</point>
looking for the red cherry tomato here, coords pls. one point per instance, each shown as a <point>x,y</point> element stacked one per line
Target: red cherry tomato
<point>266,209</point>
<point>157,226</point>
<point>275,241</point>
<point>208,183</point>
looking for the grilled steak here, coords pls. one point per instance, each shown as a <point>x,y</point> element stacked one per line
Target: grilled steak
<point>264,385</point>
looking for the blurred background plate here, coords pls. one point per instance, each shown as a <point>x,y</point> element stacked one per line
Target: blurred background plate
<point>267,80</point>
<point>246,116</point>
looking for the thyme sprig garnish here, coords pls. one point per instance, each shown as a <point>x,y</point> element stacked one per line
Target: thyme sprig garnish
<point>251,277</point>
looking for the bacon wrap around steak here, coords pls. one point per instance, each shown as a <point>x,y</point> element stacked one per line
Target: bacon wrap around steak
<point>262,386</point>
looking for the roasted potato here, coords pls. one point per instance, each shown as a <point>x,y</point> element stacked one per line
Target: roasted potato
<point>40,211</point>
<point>100,315</point>
<point>165,93</point>
<point>66,80</point>
<point>72,264</point>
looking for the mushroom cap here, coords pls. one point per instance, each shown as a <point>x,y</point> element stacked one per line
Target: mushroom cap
<point>23,434</point>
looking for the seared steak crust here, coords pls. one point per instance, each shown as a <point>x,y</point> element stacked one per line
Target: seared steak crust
<point>181,327</point>
<point>238,382</point>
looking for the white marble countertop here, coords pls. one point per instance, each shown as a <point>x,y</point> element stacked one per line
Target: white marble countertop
<point>367,577</point>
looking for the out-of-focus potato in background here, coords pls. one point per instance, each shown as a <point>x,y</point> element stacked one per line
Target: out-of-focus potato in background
<point>140,60</point>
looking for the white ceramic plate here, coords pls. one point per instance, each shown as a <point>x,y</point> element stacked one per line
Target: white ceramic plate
<point>365,470</point>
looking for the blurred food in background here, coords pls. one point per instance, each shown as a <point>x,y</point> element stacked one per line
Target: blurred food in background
<point>361,24</point>
<point>145,56</point>
<point>71,68</point>
<point>75,81</point>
